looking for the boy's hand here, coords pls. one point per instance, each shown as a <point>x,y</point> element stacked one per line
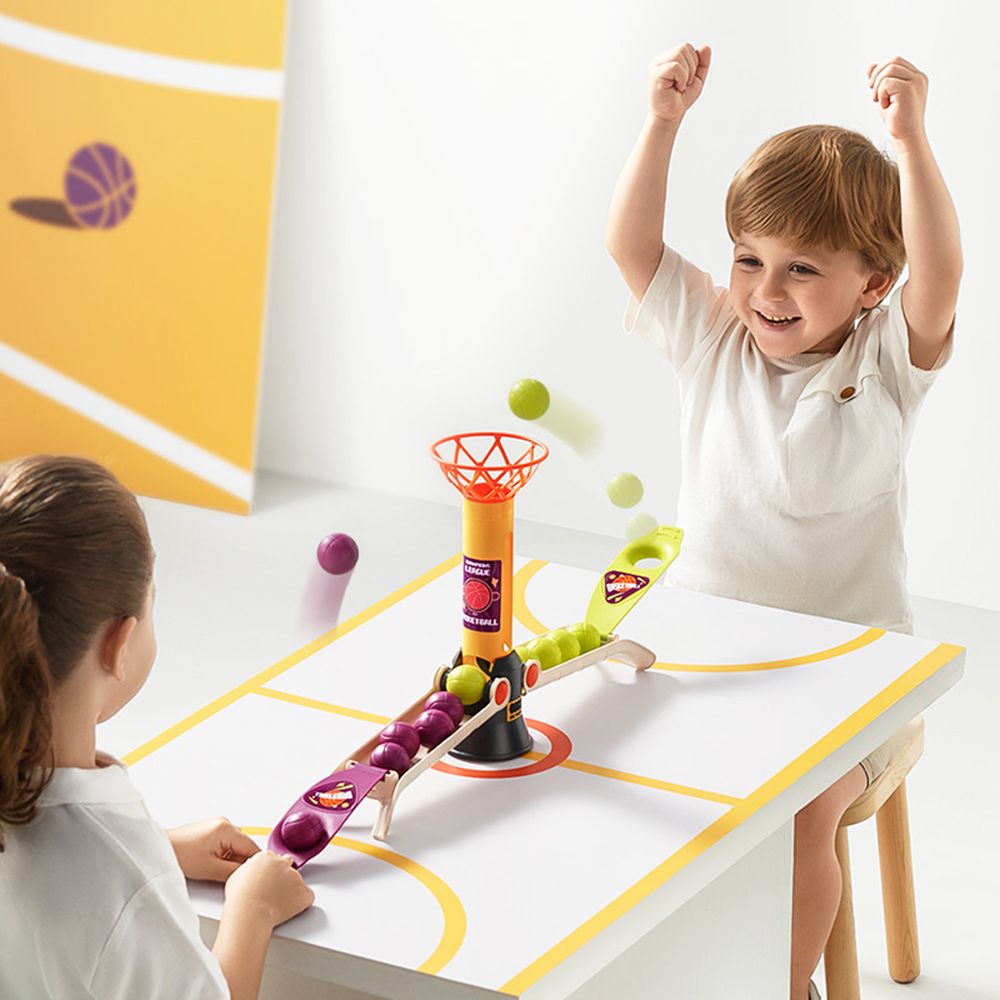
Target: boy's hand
<point>901,91</point>
<point>676,79</point>
<point>211,849</point>
<point>268,885</point>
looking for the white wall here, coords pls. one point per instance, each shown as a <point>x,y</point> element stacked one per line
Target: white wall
<point>445,175</point>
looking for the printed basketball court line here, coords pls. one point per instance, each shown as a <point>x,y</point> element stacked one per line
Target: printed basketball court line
<point>739,810</point>
<point>455,922</point>
<point>837,737</point>
<point>526,617</point>
<point>573,765</point>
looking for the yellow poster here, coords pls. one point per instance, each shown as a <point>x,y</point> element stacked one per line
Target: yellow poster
<point>138,144</point>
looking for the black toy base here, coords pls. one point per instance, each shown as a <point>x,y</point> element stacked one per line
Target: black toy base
<point>497,740</point>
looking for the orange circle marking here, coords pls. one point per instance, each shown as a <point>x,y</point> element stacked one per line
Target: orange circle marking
<point>501,692</point>
<point>561,748</point>
<point>532,678</point>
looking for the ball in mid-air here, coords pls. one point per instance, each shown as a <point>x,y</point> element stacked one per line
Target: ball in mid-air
<point>337,553</point>
<point>625,489</point>
<point>528,399</point>
<point>640,525</point>
<point>302,830</point>
<point>99,185</point>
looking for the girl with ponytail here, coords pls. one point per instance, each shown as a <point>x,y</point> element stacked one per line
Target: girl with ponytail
<point>92,896</point>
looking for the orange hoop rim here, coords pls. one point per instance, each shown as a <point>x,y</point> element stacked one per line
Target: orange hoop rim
<point>480,478</point>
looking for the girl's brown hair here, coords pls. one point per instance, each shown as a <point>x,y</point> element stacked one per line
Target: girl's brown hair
<point>821,185</point>
<point>74,555</point>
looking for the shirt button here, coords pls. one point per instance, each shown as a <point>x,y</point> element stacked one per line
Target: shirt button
<point>847,392</point>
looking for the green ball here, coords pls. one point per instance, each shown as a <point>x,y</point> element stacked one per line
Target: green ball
<point>640,525</point>
<point>522,651</point>
<point>586,635</point>
<point>625,489</point>
<point>466,682</point>
<point>528,399</point>
<point>569,645</point>
<point>546,651</point>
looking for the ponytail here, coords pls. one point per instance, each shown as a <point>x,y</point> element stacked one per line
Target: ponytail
<point>25,716</point>
<point>74,554</point>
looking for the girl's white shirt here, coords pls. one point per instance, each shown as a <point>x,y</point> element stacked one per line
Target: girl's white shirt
<point>793,486</point>
<point>93,903</point>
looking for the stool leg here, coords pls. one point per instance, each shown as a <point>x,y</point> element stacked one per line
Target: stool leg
<point>898,899</point>
<point>840,957</point>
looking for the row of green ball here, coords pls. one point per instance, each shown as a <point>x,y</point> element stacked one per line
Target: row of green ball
<point>560,644</point>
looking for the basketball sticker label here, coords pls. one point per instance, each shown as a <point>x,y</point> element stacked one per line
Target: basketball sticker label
<point>619,586</point>
<point>337,797</point>
<point>481,594</point>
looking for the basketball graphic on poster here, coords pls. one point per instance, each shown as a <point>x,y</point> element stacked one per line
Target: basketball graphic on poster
<point>100,186</point>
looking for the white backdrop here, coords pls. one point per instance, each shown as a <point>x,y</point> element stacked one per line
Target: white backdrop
<point>445,174</point>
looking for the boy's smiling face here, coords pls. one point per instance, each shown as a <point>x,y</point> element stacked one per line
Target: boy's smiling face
<point>795,299</point>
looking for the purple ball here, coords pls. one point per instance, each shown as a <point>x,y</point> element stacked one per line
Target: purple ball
<point>434,726</point>
<point>302,830</point>
<point>391,756</point>
<point>448,703</point>
<point>337,553</point>
<point>404,734</point>
<point>100,186</point>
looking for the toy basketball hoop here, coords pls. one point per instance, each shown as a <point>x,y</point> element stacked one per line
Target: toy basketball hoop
<point>488,469</point>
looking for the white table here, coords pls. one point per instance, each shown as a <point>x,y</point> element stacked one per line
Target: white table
<point>658,852</point>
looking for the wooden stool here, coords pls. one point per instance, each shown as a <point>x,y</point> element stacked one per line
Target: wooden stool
<point>886,800</point>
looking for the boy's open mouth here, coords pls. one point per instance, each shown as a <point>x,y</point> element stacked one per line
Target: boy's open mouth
<point>776,322</point>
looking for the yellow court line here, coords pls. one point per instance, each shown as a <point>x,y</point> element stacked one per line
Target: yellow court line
<point>864,639</point>
<point>520,585</point>
<point>288,662</point>
<point>451,906</point>
<point>524,615</point>
<point>639,779</point>
<point>323,706</point>
<point>652,881</point>
<point>573,765</point>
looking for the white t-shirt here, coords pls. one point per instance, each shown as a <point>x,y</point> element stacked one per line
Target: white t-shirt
<point>93,905</point>
<point>793,488</point>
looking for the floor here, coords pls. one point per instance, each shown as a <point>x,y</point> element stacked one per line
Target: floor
<point>235,594</point>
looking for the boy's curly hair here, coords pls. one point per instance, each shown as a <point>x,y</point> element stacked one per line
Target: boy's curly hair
<point>821,185</point>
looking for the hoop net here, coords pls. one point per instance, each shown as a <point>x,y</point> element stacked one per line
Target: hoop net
<point>488,467</point>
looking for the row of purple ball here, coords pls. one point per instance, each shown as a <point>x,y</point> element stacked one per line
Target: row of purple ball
<point>443,714</point>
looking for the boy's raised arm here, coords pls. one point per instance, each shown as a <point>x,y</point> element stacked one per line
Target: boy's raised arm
<point>930,224</point>
<point>635,225</point>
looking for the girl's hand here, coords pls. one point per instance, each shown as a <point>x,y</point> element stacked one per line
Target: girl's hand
<point>676,79</point>
<point>211,849</point>
<point>269,887</point>
<point>901,91</point>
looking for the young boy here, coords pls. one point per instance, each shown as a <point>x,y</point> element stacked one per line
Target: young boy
<point>798,386</point>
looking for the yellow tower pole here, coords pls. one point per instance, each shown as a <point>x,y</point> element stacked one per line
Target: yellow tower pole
<point>487,572</point>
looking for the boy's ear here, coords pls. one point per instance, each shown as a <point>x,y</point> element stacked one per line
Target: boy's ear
<point>876,288</point>
<point>114,645</point>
